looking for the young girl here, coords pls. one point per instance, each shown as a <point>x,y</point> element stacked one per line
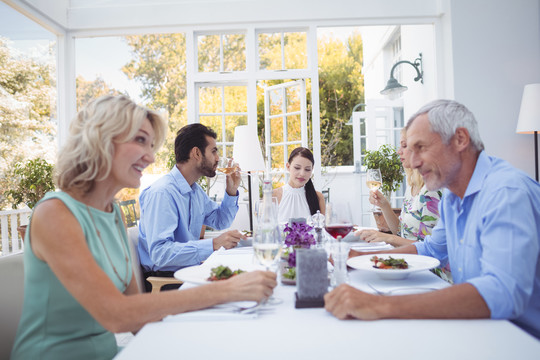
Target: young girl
<point>298,198</point>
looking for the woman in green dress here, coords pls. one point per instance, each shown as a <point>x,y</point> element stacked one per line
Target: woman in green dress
<point>79,283</point>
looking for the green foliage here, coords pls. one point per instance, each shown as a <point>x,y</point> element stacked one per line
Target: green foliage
<point>34,179</point>
<point>387,160</point>
<point>90,90</point>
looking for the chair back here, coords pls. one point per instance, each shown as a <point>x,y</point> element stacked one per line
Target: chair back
<point>130,212</point>
<point>11,299</point>
<point>133,241</point>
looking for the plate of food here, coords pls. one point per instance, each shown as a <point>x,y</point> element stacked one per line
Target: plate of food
<point>393,266</point>
<point>201,274</point>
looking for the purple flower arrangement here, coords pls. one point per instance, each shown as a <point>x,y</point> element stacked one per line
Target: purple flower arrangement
<point>299,235</point>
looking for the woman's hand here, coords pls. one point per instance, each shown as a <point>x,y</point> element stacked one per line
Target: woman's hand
<point>254,286</point>
<point>369,235</point>
<point>377,198</point>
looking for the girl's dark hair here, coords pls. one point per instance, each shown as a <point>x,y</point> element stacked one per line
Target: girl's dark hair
<point>188,137</point>
<point>311,194</point>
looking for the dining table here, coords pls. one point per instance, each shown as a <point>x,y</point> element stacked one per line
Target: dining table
<point>282,331</point>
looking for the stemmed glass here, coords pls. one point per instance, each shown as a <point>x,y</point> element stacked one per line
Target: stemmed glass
<point>227,166</point>
<point>259,209</point>
<point>338,223</point>
<point>373,182</point>
<point>338,219</point>
<point>267,246</point>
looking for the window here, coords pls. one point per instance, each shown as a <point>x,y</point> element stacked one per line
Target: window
<point>221,52</point>
<point>28,124</point>
<point>222,108</point>
<point>282,50</point>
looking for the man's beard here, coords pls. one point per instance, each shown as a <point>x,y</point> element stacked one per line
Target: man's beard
<point>207,168</point>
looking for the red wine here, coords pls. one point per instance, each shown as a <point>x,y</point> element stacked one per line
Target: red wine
<point>339,230</point>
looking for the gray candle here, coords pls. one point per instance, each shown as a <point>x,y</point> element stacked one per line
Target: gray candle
<point>311,274</point>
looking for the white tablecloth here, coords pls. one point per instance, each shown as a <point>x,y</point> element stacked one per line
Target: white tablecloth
<point>283,332</point>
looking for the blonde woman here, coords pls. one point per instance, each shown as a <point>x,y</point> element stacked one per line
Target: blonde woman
<point>419,213</point>
<point>79,284</point>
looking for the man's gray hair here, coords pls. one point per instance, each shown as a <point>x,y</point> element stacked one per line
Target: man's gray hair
<point>446,116</point>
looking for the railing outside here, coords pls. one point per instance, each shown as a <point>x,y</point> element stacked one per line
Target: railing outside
<point>9,221</point>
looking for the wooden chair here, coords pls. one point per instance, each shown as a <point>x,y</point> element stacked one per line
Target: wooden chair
<point>156,281</point>
<point>11,300</point>
<point>130,212</point>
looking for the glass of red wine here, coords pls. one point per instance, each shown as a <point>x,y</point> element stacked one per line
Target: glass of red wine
<point>338,219</point>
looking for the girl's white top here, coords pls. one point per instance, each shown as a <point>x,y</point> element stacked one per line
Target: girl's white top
<point>293,204</point>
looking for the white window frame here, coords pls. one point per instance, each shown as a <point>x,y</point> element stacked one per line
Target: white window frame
<point>284,114</point>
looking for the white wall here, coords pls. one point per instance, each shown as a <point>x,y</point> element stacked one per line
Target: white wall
<point>496,51</point>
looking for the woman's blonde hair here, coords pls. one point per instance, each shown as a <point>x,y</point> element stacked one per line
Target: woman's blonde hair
<point>414,178</point>
<point>87,155</point>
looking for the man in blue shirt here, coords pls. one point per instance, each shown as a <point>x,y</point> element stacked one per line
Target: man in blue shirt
<point>174,208</point>
<point>488,230</point>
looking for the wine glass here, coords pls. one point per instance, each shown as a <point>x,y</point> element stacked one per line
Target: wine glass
<point>373,182</point>
<point>338,219</point>
<point>267,246</point>
<point>259,209</point>
<point>226,165</point>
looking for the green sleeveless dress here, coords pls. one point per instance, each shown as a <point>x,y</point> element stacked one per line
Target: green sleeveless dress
<point>53,324</point>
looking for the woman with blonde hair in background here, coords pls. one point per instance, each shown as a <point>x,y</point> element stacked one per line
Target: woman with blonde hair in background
<point>419,213</point>
<point>79,284</point>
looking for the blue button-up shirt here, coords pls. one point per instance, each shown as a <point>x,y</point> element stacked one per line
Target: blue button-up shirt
<point>172,216</point>
<point>491,239</point>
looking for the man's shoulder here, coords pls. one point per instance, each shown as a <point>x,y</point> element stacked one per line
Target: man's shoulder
<point>163,184</point>
<point>503,174</point>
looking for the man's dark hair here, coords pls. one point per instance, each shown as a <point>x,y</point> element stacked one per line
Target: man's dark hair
<point>188,137</point>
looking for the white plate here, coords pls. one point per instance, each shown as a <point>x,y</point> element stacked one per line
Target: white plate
<point>416,263</point>
<point>199,274</point>
<point>194,274</point>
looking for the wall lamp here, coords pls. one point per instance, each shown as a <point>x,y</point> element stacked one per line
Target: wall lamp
<point>393,87</point>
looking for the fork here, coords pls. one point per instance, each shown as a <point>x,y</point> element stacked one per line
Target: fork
<point>390,292</point>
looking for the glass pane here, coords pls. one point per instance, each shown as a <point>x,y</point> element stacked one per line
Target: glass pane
<point>28,118</point>
<point>295,50</point>
<point>228,151</point>
<point>213,122</point>
<point>208,53</point>
<point>210,100</point>
<point>294,128</point>
<point>290,148</point>
<point>276,130</point>
<point>270,51</point>
<point>232,122</point>
<point>277,156</point>
<point>398,117</point>
<point>276,102</point>
<point>234,52</point>
<point>235,99</point>
<point>363,127</point>
<point>293,98</point>
<point>380,122</point>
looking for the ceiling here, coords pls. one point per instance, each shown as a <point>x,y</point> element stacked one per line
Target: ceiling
<point>107,16</point>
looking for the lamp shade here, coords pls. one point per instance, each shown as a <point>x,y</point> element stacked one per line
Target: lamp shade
<point>529,113</point>
<point>247,149</point>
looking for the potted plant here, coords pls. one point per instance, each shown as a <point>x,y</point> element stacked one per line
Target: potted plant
<point>387,160</point>
<point>33,178</point>
<point>298,235</point>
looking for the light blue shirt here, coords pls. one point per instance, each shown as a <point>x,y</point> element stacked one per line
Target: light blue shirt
<point>172,216</point>
<point>491,238</point>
